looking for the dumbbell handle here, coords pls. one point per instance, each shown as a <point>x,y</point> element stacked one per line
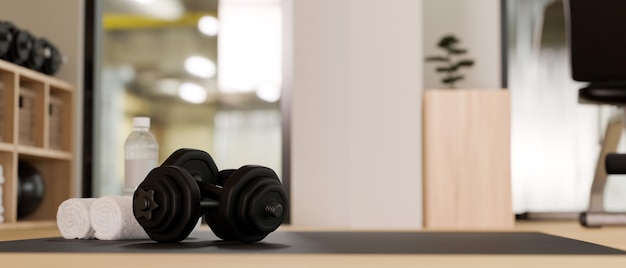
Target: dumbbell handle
<point>209,204</point>
<point>210,190</point>
<point>214,192</point>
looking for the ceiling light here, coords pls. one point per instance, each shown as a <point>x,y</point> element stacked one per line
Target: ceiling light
<point>193,93</point>
<point>208,25</point>
<point>268,92</point>
<point>200,66</point>
<point>250,45</point>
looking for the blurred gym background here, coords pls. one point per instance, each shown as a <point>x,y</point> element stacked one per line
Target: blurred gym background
<point>207,73</point>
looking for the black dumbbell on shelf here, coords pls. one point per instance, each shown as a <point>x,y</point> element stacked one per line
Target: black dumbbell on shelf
<point>19,42</point>
<point>44,57</point>
<point>6,38</point>
<point>239,205</point>
<point>20,47</point>
<point>53,61</point>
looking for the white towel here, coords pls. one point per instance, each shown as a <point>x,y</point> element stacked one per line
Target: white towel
<point>112,218</point>
<point>73,218</point>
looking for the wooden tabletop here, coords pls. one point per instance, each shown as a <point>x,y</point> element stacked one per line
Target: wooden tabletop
<point>609,236</point>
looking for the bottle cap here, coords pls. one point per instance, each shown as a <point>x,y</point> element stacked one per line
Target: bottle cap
<point>141,122</point>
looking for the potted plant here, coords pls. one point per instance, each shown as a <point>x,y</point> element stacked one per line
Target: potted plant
<point>452,65</point>
<point>466,149</point>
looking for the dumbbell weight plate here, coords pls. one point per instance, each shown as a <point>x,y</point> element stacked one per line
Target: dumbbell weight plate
<point>53,60</point>
<point>229,202</point>
<point>171,198</point>
<point>224,174</point>
<point>213,220</point>
<point>160,216</point>
<point>38,54</point>
<point>271,192</point>
<point>198,163</point>
<point>202,167</point>
<point>6,36</point>
<point>211,216</point>
<point>246,196</point>
<point>21,46</point>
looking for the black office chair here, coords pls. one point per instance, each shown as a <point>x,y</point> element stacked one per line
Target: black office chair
<point>597,35</point>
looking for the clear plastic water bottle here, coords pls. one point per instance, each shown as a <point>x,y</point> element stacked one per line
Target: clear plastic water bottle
<point>141,152</point>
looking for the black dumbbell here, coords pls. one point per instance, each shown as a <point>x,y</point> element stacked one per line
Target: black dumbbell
<point>38,54</point>
<point>249,205</point>
<point>21,46</point>
<point>6,38</point>
<point>53,58</point>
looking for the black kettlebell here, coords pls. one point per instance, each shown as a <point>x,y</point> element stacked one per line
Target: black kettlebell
<point>31,189</point>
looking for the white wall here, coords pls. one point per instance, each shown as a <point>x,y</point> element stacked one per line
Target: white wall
<point>62,23</point>
<point>356,89</point>
<point>477,25</point>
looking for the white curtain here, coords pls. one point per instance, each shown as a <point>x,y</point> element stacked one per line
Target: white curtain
<point>554,138</point>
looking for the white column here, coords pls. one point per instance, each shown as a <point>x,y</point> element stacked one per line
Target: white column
<point>356,89</point>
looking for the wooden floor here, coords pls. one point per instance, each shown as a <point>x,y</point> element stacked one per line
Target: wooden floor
<point>612,237</point>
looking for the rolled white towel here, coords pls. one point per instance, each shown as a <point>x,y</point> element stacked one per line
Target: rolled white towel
<point>73,218</point>
<point>112,218</point>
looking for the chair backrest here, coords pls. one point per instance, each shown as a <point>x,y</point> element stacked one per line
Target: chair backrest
<point>597,39</point>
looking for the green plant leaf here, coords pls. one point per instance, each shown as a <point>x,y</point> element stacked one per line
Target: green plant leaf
<point>452,79</point>
<point>437,58</point>
<point>461,64</point>
<point>457,51</point>
<point>448,41</point>
<point>450,72</point>
<point>465,63</point>
<point>443,70</point>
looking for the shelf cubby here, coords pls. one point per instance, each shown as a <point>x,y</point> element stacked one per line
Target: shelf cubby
<point>36,127</point>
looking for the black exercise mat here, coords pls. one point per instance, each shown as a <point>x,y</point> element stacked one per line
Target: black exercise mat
<point>333,243</point>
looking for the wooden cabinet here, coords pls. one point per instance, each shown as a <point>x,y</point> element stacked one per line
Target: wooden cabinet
<point>36,127</point>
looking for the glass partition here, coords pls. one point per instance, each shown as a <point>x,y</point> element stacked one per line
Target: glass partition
<point>206,72</point>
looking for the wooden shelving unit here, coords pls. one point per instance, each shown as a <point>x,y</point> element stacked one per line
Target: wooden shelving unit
<point>36,126</point>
